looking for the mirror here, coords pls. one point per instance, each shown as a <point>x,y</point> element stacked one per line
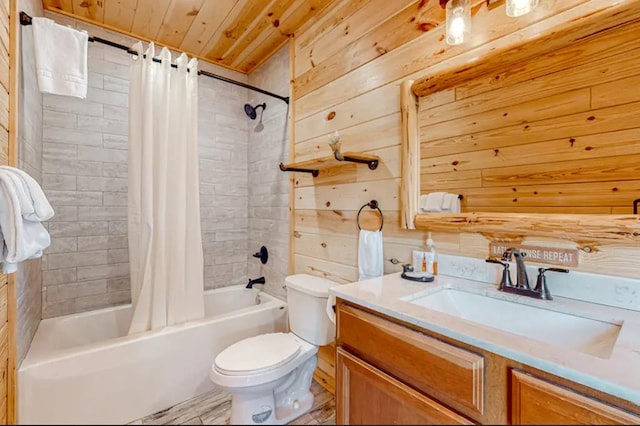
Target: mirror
<point>541,138</point>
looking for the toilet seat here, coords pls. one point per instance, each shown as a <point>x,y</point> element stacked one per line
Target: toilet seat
<point>257,354</point>
<point>243,379</point>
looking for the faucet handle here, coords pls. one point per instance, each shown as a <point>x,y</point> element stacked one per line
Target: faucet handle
<point>543,270</point>
<point>541,283</point>
<point>505,281</point>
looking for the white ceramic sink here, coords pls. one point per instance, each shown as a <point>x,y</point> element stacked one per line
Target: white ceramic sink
<point>560,329</point>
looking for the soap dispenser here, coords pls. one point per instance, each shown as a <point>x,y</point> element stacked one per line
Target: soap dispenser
<point>432,256</point>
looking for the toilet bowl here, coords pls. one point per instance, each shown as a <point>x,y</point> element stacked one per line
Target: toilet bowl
<point>269,376</point>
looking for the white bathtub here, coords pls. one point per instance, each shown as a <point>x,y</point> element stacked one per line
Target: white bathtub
<point>83,369</point>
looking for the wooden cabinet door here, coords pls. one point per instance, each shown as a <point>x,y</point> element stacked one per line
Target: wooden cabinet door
<point>366,395</point>
<point>536,401</point>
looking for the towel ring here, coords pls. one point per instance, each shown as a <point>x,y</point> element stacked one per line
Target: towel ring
<point>373,204</point>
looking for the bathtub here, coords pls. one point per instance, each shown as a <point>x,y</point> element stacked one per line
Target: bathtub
<point>84,369</point>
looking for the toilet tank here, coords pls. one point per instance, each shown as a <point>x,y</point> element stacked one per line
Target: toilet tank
<point>307,304</point>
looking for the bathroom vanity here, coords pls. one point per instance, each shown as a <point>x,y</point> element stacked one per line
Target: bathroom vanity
<point>405,356</point>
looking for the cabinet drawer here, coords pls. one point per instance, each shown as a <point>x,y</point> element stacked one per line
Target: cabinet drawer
<point>365,395</point>
<point>537,401</point>
<point>446,372</point>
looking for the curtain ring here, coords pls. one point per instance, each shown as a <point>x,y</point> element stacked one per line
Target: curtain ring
<point>373,204</point>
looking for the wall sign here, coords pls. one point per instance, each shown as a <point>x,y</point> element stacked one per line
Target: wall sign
<point>550,255</point>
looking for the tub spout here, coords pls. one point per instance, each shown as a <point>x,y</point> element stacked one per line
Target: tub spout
<point>251,282</point>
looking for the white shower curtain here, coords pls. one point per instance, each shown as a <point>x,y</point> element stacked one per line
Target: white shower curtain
<point>165,244</point>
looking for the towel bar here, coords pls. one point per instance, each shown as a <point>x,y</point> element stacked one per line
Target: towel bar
<point>373,204</point>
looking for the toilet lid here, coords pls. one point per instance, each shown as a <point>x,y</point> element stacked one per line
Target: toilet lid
<point>257,354</point>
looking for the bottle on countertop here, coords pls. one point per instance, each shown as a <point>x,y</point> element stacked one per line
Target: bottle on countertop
<point>432,256</point>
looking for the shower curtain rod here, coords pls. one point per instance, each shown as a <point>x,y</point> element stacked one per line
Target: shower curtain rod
<point>25,19</point>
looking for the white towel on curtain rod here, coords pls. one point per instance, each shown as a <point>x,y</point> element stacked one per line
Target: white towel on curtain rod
<point>165,244</point>
<point>61,58</point>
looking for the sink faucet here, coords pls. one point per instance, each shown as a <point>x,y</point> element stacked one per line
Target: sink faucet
<point>251,282</point>
<point>522,282</point>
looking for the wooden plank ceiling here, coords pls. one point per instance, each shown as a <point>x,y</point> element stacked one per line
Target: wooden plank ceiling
<point>237,34</point>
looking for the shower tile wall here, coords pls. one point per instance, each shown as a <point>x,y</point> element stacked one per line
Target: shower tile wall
<point>29,276</point>
<point>268,186</point>
<point>85,177</point>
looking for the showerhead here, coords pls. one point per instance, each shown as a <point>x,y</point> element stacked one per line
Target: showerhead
<point>251,110</point>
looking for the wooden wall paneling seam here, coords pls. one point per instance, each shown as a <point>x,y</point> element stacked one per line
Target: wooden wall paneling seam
<point>574,67</point>
<point>365,37</point>
<point>400,28</point>
<point>330,18</point>
<point>341,274</point>
<point>592,146</point>
<point>616,92</point>
<point>349,196</point>
<point>356,110</point>
<point>277,33</point>
<point>241,28</point>
<point>179,17</point>
<point>610,119</point>
<point>255,33</point>
<point>353,28</point>
<point>223,30</point>
<point>207,23</point>
<point>120,13</point>
<point>315,9</point>
<point>559,104</point>
<point>367,136</point>
<point>148,17</point>
<point>601,169</point>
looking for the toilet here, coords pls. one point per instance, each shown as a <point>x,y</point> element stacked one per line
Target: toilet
<point>269,376</point>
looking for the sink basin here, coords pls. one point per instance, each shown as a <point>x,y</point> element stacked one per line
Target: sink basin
<point>560,329</point>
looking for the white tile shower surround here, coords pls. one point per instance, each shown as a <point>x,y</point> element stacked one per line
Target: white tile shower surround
<point>85,176</point>
<point>214,408</point>
<point>268,186</point>
<point>29,276</point>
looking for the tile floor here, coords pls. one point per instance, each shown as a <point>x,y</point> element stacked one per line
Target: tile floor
<point>214,408</point>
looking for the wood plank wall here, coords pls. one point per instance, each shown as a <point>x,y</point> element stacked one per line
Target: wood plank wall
<point>7,337</point>
<point>557,134</point>
<point>348,67</point>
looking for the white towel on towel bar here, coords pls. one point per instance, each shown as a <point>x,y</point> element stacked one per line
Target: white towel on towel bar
<point>433,202</point>
<point>370,257</point>
<point>61,58</point>
<point>20,238</point>
<point>451,203</point>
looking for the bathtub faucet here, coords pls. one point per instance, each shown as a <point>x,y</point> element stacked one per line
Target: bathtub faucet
<point>251,282</point>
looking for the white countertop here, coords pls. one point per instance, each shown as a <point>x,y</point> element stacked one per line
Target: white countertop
<point>618,375</point>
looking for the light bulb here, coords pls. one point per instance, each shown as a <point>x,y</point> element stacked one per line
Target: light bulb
<point>458,21</point>
<point>517,8</point>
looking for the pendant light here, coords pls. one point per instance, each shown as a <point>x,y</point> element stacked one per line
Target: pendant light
<point>458,15</point>
<point>517,8</point>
